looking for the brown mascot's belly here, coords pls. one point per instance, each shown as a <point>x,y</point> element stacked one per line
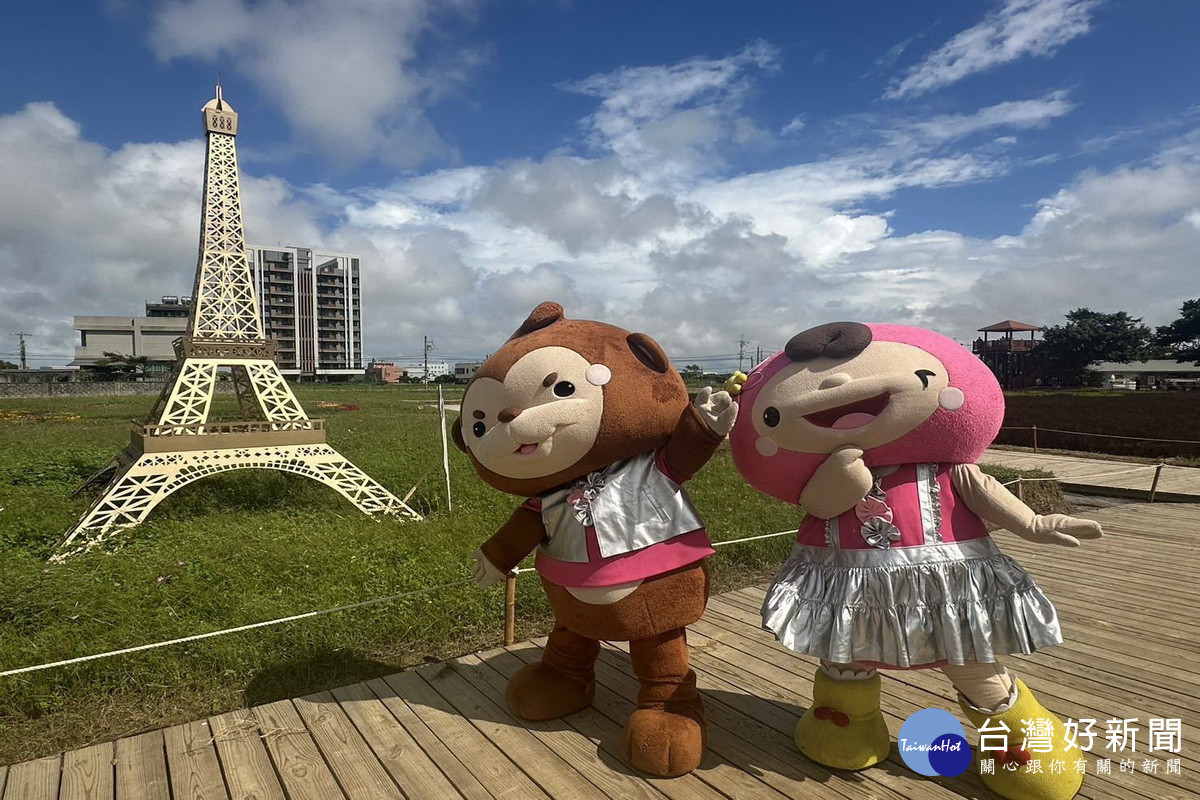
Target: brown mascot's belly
<point>661,604</point>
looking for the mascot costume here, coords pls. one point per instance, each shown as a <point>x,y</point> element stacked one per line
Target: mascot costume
<point>592,424</point>
<point>874,430</point>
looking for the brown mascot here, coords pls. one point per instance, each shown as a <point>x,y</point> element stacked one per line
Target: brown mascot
<point>592,424</point>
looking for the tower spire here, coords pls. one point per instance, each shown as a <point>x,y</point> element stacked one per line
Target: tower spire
<point>225,305</point>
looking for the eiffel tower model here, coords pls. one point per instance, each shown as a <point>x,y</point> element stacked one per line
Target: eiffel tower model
<point>178,443</point>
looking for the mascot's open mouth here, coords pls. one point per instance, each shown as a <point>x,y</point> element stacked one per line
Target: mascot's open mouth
<point>528,449</point>
<point>852,415</point>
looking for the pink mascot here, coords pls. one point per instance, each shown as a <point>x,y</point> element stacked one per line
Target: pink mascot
<point>875,430</point>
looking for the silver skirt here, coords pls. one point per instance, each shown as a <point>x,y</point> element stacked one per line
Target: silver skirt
<point>957,602</point>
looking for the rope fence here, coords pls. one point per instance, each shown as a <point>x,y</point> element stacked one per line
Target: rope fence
<point>1034,429</point>
<point>510,591</point>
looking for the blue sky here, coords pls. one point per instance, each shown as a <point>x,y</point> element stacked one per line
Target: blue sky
<point>698,170</point>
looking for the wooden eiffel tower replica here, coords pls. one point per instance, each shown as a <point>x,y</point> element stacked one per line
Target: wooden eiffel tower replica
<point>178,443</point>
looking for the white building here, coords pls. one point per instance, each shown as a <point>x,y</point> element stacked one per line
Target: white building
<point>1153,374</point>
<point>465,370</point>
<point>416,367</point>
<point>311,306</point>
<point>152,336</point>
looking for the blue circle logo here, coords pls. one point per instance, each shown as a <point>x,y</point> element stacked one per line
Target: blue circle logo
<point>933,742</point>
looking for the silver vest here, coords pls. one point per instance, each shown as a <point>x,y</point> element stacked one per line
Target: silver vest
<point>631,504</point>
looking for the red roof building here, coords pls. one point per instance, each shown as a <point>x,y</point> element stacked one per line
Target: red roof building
<point>1010,355</point>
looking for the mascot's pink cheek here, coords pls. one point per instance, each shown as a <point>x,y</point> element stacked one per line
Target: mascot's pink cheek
<point>766,446</point>
<point>951,398</point>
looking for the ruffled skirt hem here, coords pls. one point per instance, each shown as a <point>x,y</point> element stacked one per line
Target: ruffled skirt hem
<point>958,603</point>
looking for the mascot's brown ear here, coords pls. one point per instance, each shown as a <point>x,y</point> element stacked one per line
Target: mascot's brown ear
<point>456,435</point>
<point>648,352</point>
<point>544,315</point>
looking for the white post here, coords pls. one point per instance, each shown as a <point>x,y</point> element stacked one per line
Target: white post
<point>445,446</point>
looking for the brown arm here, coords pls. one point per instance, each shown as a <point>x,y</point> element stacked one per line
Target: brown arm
<point>691,445</point>
<point>516,539</point>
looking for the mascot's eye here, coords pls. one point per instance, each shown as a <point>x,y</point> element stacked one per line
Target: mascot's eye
<point>771,416</point>
<point>564,389</point>
<point>479,429</point>
<point>925,375</point>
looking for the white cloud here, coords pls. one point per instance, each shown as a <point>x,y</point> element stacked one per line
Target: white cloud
<point>794,125</point>
<point>1019,28</point>
<point>345,73</point>
<point>692,255</point>
<point>1036,113</point>
<point>669,121</point>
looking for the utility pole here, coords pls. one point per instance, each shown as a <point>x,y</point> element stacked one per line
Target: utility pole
<point>428,347</point>
<point>21,335</point>
<point>741,343</point>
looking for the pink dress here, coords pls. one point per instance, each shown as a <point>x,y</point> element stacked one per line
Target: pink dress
<point>908,578</point>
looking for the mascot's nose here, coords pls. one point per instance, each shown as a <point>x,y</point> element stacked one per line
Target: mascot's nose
<point>832,340</point>
<point>509,414</point>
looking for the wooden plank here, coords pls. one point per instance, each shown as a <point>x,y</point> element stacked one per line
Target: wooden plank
<point>3,779</point>
<point>737,738</point>
<point>557,777</point>
<point>483,759</point>
<point>454,769</point>
<point>1118,687</point>
<point>895,711</point>
<point>88,774</point>
<point>303,771</point>
<point>34,780</point>
<point>192,763</point>
<point>606,720</point>
<point>932,691</point>
<point>357,769</point>
<point>141,772</point>
<point>1057,684</point>
<point>718,772</point>
<point>401,756</point>
<point>244,758</point>
<point>593,757</point>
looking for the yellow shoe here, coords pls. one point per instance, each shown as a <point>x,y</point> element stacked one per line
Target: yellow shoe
<point>844,728</point>
<point>1014,775</point>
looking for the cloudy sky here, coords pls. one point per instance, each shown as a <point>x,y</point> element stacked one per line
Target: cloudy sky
<point>700,171</point>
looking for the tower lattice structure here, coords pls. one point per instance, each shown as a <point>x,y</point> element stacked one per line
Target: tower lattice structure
<point>178,444</point>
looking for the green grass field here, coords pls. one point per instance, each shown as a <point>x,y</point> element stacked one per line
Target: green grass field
<point>255,545</point>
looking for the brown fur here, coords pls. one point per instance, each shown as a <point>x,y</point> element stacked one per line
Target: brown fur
<point>646,408</point>
<point>630,425</point>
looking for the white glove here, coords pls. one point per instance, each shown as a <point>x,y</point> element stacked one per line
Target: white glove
<point>717,409</point>
<point>1059,529</point>
<point>486,573</point>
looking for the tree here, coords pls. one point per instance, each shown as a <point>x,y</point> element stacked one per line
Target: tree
<point>1181,338</point>
<point>117,365</point>
<point>7,364</point>
<point>1089,337</point>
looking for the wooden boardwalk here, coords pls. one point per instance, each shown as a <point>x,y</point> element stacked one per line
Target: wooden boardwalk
<point>1129,605</point>
<point>1105,476</point>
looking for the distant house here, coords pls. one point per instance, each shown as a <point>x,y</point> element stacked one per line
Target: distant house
<point>1009,353</point>
<point>385,372</point>
<point>465,370</point>
<point>1153,374</point>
